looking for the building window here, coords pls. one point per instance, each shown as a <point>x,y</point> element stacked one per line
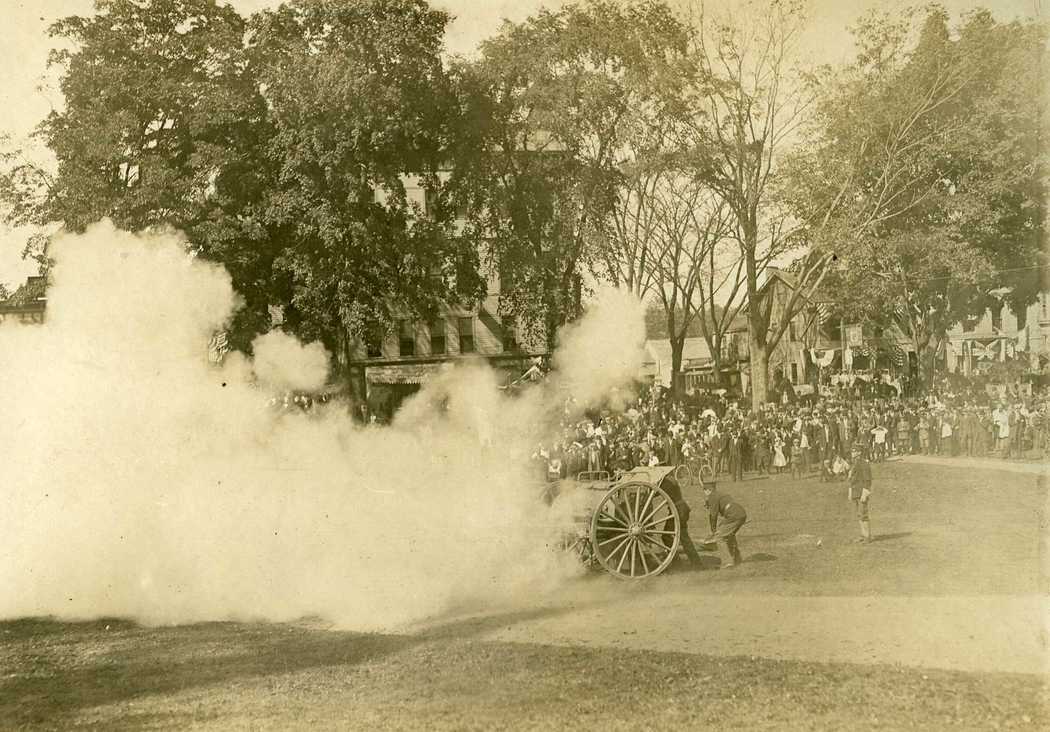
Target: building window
<point>997,318</point>
<point>373,346</point>
<point>406,338</point>
<point>510,339</point>
<point>466,335</point>
<point>791,331</point>
<point>1043,297</point>
<point>438,341</point>
<point>794,373</point>
<point>430,199</point>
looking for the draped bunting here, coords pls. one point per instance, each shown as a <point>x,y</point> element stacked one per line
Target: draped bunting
<point>822,358</point>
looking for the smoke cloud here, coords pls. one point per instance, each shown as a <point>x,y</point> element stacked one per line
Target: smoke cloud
<point>142,481</point>
<point>604,350</point>
<point>282,362</point>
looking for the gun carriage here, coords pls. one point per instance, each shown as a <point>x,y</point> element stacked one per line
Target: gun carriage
<point>630,525</point>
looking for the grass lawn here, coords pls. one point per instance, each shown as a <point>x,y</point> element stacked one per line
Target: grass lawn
<point>941,532</point>
<point>938,531</point>
<point>113,675</point>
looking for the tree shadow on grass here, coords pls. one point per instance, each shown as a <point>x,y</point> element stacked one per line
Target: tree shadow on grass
<point>761,557</point>
<point>53,669</point>
<point>890,537</point>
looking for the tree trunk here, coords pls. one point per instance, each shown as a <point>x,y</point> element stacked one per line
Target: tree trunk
<point>925,358</point>
<point>757,324</point>
<point>677,347</point>
<point>716,367</point>
<point>927,366</point>
<point>759,375</point>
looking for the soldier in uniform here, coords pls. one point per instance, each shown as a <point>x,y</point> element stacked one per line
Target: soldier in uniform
<point>674,492</point>
<point>860,490</point>
<point>726,516</point>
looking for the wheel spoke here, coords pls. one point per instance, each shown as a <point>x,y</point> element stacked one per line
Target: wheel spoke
<point>653,512</point>
<point>634,554</point>
<point>637,499</point>
<point>619,567</point>
<point>613,538</point>
<point>641,555</point>
<point>610,516</point>
<point>619,546</point>
<point>660,531</point>
<point>658,544</point>
<point>616,510</point>
<point>657,522</point>
<point>647,502</point>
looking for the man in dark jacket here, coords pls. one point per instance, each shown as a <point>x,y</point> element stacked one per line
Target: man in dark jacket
<point>726,516</point>
<point>674,492</point>
<point>860,490</point>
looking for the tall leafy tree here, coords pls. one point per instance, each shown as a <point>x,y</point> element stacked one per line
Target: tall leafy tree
<point>565,92</point>
<point>161,126</point>
<point>359,99</point>
<point>998,161</point>
<point>940,185</point>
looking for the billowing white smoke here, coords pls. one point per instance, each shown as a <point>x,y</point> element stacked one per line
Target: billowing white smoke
<point>282,362</point>
<point>604,350</point>
<point>141,481</point>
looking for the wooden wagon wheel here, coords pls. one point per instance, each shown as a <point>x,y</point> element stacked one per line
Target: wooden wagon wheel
<point>635,531</point>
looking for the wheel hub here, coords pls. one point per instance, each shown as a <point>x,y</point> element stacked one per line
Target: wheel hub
<point>635,529</point>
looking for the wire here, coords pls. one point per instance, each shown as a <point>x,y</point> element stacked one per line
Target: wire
<point>951,277</point>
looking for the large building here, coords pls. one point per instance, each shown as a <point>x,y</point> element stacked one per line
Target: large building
<point>696,362</point>
<point>813,342</point>
<point>396,367</point>
<point>387,371</point>
<point>1001,337</point>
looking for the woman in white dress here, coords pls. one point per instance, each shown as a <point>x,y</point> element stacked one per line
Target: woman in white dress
<point>779,461</point>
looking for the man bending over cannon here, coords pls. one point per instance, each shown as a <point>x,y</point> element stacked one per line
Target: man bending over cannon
<point>726,516</point>
<point>674,492</point>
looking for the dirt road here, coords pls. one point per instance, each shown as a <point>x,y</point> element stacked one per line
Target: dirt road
<point>983,633</point>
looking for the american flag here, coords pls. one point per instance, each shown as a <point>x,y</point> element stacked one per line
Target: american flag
<point>823,312</point>
<point>898,355</point>
<point>218,346</point>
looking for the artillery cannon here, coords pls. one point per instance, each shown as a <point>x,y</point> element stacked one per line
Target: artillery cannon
<point>631,527</point>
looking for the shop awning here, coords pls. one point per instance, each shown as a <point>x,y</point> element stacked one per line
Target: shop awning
<point>403,373</point>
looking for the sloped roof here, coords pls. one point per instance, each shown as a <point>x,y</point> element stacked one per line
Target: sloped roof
<point>33,292</point>
<point>772,274</point>
<point>694,349</point>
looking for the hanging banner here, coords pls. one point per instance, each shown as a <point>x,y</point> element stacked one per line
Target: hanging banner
<point>854,335</point>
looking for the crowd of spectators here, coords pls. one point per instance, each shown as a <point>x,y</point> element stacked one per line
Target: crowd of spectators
<point>810,437</point>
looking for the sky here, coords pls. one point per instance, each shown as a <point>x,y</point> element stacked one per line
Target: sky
<point>28,93</point>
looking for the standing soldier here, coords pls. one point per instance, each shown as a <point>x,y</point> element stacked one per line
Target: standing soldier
<point>860,491</point>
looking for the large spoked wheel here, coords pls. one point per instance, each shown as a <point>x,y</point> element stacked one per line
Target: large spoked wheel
<point>635,531</point>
